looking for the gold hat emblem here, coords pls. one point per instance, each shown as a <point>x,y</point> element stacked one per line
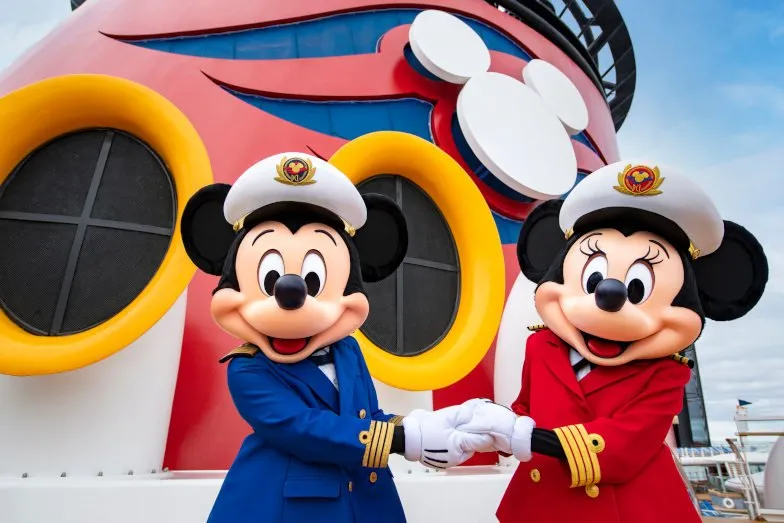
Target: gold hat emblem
<point>295,171</point>
<point>639,180</point>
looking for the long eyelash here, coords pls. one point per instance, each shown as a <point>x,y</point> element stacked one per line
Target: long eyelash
<point>652,259</point>
<point>592,249</point>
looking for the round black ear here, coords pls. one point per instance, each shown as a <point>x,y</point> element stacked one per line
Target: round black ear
<point>540,241</point>
<point>732,279</point>
<point>205,233</point>
<point>383,241</point>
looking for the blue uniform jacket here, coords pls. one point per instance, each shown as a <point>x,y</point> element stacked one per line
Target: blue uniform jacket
<point>315,454</point>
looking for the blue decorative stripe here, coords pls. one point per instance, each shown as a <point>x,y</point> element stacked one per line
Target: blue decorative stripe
<point>417,66</point>
<point>583,139</point>
<point>349,119</point>
<point>508,229</point>
<point>338,35</point>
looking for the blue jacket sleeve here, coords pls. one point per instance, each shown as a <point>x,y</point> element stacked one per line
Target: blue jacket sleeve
<point>277,414</point>
<point>375,412</point>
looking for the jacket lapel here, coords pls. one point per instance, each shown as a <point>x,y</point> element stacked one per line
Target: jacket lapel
<point>559,366</point>
<point>601,377</point>
<point>347,370</point>
<point>308,372</point>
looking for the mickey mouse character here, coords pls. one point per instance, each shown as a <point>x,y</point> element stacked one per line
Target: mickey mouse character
<point>292,241</point>
<point>628,267</point>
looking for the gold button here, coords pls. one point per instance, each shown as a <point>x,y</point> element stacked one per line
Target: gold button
<point>592,491</point>
<point>350,486</point>
<point>362,414</point>
<point>535,476</point>
<point>373,477</point>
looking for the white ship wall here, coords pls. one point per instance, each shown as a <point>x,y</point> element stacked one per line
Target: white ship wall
<point>111,417</point>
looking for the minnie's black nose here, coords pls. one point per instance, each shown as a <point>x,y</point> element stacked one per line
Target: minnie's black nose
<point>610,295</point>
<point>290,292</point>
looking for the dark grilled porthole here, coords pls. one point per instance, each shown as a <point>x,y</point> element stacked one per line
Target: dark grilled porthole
<point>412,310</point>
<point>85,221</point>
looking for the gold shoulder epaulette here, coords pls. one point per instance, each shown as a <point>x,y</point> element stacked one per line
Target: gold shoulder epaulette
<point>243,351</point>
<point>538,327</point>
<point>683,360</point>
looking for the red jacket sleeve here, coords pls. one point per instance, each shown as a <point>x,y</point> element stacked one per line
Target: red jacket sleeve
<point>522,406</point>
<point>615,450</point>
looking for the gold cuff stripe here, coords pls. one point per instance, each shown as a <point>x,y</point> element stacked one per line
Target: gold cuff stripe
<point>364,438</point>
<point>396,420</point>
<point>569,455</point>
<point>583,449</point>
<point>593,450</point>
<point>375,430</point>
<point>378,444</point>
<point>379,450</point>
<point>387,446</point>
<point>579,458</point>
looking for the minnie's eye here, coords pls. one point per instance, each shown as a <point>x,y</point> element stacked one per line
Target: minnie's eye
<point>270,269</point>
<point>314,273</point>
<point>639,282</point>
<point>594,272</point>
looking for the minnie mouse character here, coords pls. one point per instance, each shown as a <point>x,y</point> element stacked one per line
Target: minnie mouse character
<point>292,241</point>
<point>628,267</point>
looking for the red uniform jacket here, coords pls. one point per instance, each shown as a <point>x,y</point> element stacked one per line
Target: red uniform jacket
<point>612,425</point>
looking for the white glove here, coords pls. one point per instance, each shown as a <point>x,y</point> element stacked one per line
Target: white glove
<point>431,437</point>
<point>511,433</point>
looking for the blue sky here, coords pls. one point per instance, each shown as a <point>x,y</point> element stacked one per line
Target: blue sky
<point>710,100</point>
<point>711,71</point>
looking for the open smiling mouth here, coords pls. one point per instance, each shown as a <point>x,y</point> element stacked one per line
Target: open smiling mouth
<point>605,348</point>
<point>288,346</point>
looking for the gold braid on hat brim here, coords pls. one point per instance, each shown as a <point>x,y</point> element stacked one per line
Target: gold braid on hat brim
<point>694,252</point>
<point>350,230</point>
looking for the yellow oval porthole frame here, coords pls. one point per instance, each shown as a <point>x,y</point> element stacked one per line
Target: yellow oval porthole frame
<point>482,272</point>
<point>40,112</point>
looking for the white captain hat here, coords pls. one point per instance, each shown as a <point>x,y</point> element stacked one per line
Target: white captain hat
<point>295,177</point>
<point>649,187</point>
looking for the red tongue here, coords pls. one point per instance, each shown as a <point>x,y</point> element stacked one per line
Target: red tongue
<point>604,348</point>
<point>288,346</point>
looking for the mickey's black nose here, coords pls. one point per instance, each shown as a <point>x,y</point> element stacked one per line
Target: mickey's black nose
<point>290,292</point>
<point>610,295</point>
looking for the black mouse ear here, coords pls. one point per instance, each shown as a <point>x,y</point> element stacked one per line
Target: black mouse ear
<point>540,241</point>
<point>206,234</point>
<point>732,279</point>
<point>383,241</point>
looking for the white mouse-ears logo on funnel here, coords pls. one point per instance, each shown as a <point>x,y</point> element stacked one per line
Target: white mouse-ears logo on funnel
<point>519,131</point>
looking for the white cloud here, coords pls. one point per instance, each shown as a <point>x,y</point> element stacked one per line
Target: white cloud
<point>756,95</point>
<point>766,21</point>
<point>16,38</point>
<point>24,23</point>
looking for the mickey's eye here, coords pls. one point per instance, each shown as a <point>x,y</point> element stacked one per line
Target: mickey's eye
<point>314,273</point>
<point>639,282</point>
<point>270,269</point>
<point>594,272</point>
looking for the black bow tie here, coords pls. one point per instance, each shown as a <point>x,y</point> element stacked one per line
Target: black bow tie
<point>580,365</point>
<point>323,357</point>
